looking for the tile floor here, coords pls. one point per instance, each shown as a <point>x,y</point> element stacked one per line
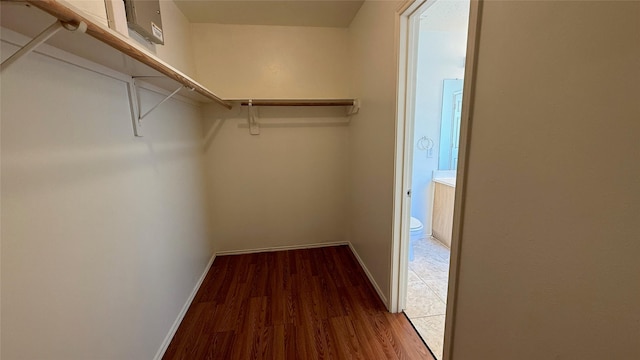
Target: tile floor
<point>427,291</point>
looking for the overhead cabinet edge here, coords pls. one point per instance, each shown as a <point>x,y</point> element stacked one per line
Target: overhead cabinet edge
<point>68,15</point>
<point>160,71</point>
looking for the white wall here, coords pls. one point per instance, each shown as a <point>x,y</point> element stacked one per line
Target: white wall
<point>372,136</point>
<point>550,246</point>
<point>440,56</point>
<point>103,235</point>
<point>286,186</point>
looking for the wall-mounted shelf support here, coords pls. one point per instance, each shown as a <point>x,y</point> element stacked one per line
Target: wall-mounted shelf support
<point>41,38</point>
<point>254,128</point>
<point>355,108</point>
<point>136,107</point>
<point>160,103</point>
<point>107,49</point>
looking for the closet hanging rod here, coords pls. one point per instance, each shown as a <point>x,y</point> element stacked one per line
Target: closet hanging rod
<point>299,102</point>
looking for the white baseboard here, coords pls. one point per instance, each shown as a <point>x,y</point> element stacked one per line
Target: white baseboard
<point>311,246</point>
<point>282,248</point>
<point>183,312</point>
<point>371,279</point>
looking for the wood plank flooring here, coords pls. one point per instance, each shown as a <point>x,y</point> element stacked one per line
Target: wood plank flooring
<point>297,304</point>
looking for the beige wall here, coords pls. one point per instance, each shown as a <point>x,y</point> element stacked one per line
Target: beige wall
<point>372,136</point>
<point>243,61</point>
<point>286,186</point>
<point>177,50</point>
<point>103,235</point>
<point>548,252</point>
<point>112,231</point>
<point>94,8</point>
<point>550,246</point>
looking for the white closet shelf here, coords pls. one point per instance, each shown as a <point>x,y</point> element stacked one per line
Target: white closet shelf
<point>109,48</point>
<point>104,46</point>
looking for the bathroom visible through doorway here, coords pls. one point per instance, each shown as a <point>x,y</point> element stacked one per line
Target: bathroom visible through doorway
<point>437,56</point>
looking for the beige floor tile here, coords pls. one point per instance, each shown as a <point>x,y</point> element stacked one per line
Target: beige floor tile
<point>431,259</point>
<point>429,268</point>
<point>431,329</point>
<point>422,301</point>
<point>432,248</point>
<point>427,291</point>
<point>439,286</point>
<point>413,277</point>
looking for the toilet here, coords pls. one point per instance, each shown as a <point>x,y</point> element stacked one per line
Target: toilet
<point>416,228</point>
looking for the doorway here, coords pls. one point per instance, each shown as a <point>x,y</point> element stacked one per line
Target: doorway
<point>430,122</point>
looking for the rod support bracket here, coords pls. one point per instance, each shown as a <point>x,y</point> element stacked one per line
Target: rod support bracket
<point>254,127</point>
<point>81,27</point>
<point>40,39</point>
<point>355,108</point>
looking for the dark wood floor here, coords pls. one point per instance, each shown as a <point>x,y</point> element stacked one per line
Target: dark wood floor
<point>299,304</point>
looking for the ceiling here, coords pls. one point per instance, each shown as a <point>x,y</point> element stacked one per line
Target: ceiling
<point>320,13</point>
<point>446,15</point>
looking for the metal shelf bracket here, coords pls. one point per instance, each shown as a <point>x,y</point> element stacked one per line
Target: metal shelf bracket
<point>39,39</point>
<point>254,127</point>
<point>355,108</point>
<point>136,107</point>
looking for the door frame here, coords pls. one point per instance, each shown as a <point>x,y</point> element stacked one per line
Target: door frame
<point>406,48</point>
